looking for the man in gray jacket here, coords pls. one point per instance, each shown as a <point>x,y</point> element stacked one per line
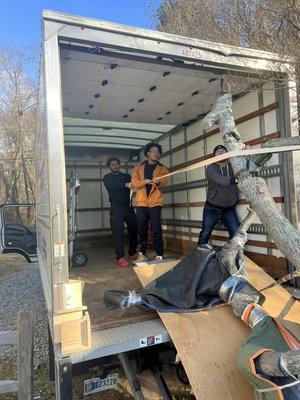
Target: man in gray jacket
<point>222,197</point>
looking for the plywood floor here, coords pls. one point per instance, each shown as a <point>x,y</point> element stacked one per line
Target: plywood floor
<point>101,274</point>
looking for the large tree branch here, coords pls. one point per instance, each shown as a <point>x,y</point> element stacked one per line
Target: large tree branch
<point>255,190</point>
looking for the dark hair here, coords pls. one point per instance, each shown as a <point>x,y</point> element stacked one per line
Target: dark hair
<point>112,159</point>
<point>220,146</point>
<point>150,145</point>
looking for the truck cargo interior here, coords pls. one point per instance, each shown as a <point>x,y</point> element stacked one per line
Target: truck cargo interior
<point>113,104</point>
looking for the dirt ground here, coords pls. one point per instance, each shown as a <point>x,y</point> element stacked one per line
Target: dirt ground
<point>44,389</point>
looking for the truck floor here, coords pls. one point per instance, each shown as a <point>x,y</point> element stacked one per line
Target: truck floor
<point>101,274</point>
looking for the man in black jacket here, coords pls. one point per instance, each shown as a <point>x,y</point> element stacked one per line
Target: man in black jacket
<point>118,186</point>
<point>222,196</point>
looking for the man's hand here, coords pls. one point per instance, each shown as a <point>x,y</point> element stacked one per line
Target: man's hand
<point>147,182</point>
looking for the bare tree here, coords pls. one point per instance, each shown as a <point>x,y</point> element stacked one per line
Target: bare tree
<point>271,25</point>
<point>18,107</point>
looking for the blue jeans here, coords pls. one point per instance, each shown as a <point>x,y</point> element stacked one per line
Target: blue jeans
<point>212,215</point>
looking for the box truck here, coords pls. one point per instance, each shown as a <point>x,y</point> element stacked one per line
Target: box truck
<point>107,90</point>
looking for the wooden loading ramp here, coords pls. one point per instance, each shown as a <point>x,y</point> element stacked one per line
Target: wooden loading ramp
<point>207,341</point>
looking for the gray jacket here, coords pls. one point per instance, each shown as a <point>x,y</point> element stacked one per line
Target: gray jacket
<point>221,191</point>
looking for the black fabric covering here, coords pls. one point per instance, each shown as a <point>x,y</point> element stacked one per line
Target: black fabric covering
<point>191,285</point>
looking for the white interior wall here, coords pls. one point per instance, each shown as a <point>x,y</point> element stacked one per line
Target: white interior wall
<point>249,130</point>
<point>94,195</point>
<point>90,170</point>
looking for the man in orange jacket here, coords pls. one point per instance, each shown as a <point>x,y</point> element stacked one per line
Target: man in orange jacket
<point>149,197</point>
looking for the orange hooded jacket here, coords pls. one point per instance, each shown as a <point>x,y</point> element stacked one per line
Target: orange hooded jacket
<point>137,182</point>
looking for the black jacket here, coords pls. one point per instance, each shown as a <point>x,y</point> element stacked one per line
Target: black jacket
<point>115,185</point>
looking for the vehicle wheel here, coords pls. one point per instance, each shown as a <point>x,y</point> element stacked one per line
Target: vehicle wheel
<point>79,259</point>
<point>181,374</point>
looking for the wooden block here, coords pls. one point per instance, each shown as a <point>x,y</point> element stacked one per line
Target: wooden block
<point>75,335</point>
<point>68,295</point>
<point>25,355</point>
<point>8,338</point>
<point>8,386</point>
<point>63,318</point>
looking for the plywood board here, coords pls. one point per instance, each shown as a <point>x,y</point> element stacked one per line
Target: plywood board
<point>207,341</point>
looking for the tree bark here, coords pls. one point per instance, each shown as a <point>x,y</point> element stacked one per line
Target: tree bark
<point>269,363</point>
<point>255,189</point>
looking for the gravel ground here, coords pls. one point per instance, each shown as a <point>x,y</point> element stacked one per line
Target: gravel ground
<point>24,291</point>
<point>21,289</point>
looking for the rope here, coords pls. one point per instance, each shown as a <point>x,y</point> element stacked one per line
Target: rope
<point>284,367</point>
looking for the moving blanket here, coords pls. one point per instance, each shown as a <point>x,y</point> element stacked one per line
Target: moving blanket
<point>193,284</point>
<point>267,335</point>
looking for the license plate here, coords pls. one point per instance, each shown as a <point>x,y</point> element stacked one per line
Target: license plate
<point>96,385</point>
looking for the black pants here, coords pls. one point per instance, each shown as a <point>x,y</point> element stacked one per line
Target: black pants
<point>118,215</point>
<point>152,214</point>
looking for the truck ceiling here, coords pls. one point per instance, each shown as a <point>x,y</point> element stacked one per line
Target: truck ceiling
<point>114,99</point>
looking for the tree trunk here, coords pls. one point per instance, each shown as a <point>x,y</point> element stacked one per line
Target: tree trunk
<point>269,362</point>
<point>255,190</point>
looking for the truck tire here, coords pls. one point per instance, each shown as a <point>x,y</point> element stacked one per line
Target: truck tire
<point>79,259</point>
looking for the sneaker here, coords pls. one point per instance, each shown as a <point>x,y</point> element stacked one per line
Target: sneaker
<point>159,258</point>
<point>138,257</point>
<point>121,262</point>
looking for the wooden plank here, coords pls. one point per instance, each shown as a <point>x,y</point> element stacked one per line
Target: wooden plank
<point>8,386</point>
<point>279,302</point>
<point>276,266</point>
<point>252,142</point>
<point>278,199</point>
<point>25,355</point>
<point>8,338</point>
<point>250,242</point>
<point>207,343</point>
<point>247,117</point>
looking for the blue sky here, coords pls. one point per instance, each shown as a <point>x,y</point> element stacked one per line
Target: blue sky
<point>20,19</point>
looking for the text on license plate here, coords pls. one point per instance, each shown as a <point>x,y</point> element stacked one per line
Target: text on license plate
<point>95,385</point>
